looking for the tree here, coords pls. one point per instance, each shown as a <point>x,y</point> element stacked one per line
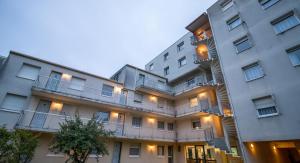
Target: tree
<point>78,140</point>
<point>17,146</point>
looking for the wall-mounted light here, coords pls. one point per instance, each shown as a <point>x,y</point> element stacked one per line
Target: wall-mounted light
<point>66,77</point>
<point>114,114</point>
<point>274,147</point>
<point>153,98</point>
<point>252,145</point>
<point>151,148</point>
<point>151,120</point>
<point>56,106</point>
<point>207,119</point>
<point>117,90</point>
<point>202,95</point>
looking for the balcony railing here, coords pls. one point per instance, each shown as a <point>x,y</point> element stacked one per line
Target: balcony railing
<point>186,110</point>
<point>195,40</point>
<point>199,60</point>
<point>49,122</point>
<point>152,84</point>
<point>62,87</point>
<point>201,134</point>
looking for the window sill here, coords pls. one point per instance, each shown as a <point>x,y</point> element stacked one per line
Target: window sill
<point>238,52</point>
<point>161,156</point>
<point>26,78</point>
<point>281,33</point>
<point>256,78</point>
<point>134,156</point>
<point>76,89</point>
<point>136,127</point>
<point>265,8</point>
<point>106,96</point>
<point>266,116</point>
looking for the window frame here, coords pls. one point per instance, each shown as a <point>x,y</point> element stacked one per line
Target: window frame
<point>290,51</point>
<point>232,20</point>
<point>266,115</point>
<point>166,56</point>
<point>282,18</point>
<point>13,95</point>
<point>162,147</point>
<point>70,86</point>
<point>151,67</point>
<point>160,103</point>
<point>266,2</point>
<point>166,70</point>
<point>250,66</point>
<point>227,4</point>
<point>241,40</point>
<point>161,127</point>
<point>134,146</point>
<point>170,128</point>
<point>196,120</point>
<point>108,116</point>
<point>136,94</point>
<point>180,46</point>
<point>29,65</point>
<point>102,90</point>
<point>180,61</point>
<point>193,106</point>
<point>133,124</point>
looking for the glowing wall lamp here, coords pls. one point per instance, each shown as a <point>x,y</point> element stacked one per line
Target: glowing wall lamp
<point>114,114</point>
<point>151,148</point>
<point>151,120</point>
<point>117,90</point>
<point>56,106</point>
<point>66,77</point>
<point>153,98</point>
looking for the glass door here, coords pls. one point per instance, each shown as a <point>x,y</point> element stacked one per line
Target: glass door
<point>53,81</point>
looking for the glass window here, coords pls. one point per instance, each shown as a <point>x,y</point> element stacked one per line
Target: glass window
<point>242,44</point>
<point>253,71</point>
<point>170,126</point>
<point>285,22</point>
<point>107,90</point>
<point>180,46</point>
<point>182,61</point>
<point>138,97</point>
<point>166,70</point>
<point>102,116</point>
<point>166,56</point>
<point>234,22</point>
<point>136,121</point>
<point>267,3</point>
<point>135,150</point>
<point>29,72</point>
<point>151,67</point>
<point>191,82</point>
<point>160,103</point>
<point>226,5</point>
<point>294,55</point>
<point>193,102</point>
<point>265,106</point>
<point>77,83</point>
<point>160,150</point>
<point>196,124</point>
<point>13,102</point>
<point>161,125</point>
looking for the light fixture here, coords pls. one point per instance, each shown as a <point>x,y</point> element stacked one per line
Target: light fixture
<point>151,148</point>
<point>56,106</point>
<point>153,98</point>
<point>151,120</point>
<point>115,114</point>
<point>66,77</point>
<point>117,90</point>
<point>251,145</point>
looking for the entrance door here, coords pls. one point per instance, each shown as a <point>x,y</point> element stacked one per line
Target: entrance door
<point>170,154</point>
<point>40,115</point>
<point>120,124</point>
<point>53,81</point>
<point>117,152</point>
<point>123,97</point>
<point>200,154</point>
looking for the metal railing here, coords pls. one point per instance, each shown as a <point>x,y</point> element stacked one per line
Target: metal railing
<point>49,122</point>
<point>95,94</point>
<point>195,40</point>
<point>150,83</point>
<point>186,110</point>
<point>201,134</point>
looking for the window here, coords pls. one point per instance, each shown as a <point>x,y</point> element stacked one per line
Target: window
<point>191,82</point>
<point>136,121</point>
<point>102,117</point>
<point>107,90</point>
<point>242,44</point>
<point>166,70</point>
<point>77,83</point>
<point>161,125</point>
<point>135,150</point>
<point>29,72</point>
<point>253,72</point>
<point>160,150</point>
<point>180,46</point>
<point>170,126</point>
<point>182,61</point>
<point>138,97</point>
<point>226,5</point>
<point>193,102</point>
<point>265,106</point>
<point>234,22</point>
<point>160,103</point>
<point>13,102</point>
<point>294,55</point>
<point>151,67</point>
<point>285,22</point>
<point>267,3</point>
<point>166,56</point>
<point>196,124</point>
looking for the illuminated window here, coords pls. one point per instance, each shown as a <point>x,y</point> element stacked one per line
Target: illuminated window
<point>294,55</point>
<point>160,150</point>
<point>234,22</point>
<point>161,125</point>
<point>193,102</point>
<point>285,22</point>
<point>267,3</point>
<point>265,106</point>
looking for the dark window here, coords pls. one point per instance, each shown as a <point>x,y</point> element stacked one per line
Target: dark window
<point>160,150</point>
<point>161,125</point>
<point>136,121</point>
<point>196,124</point>
<point>242,44</point>
<point>135,150</point>
<point>182,61</point>
<point>166,70</point>
<point>267,3</point>
<point>166,56</point>
<point>180,46</point>
<point>170,126</point>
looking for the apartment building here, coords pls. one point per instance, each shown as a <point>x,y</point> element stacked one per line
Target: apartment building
<point>258,46</point>
<point>154,121</point>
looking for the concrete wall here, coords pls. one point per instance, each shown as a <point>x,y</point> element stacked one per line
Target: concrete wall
<point>281,79</point>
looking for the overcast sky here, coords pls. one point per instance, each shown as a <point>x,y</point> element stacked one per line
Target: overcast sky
<point>97,36</point>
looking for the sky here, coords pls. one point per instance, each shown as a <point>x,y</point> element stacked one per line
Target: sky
<point>96,36</point>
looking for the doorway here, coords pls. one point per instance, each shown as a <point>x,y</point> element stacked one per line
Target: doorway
<point>120,124</point>
<point>170,154</point>
<point>117,152</point>
<point>40,115</point>
<point>53,81</point>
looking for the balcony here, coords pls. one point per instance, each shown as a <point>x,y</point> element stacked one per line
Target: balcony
<point>184,111</point>
<point>154,87</point>
<point>60,89</point>
<point>49,122</point>
<point>201,134</point>
<point>200,39</point>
